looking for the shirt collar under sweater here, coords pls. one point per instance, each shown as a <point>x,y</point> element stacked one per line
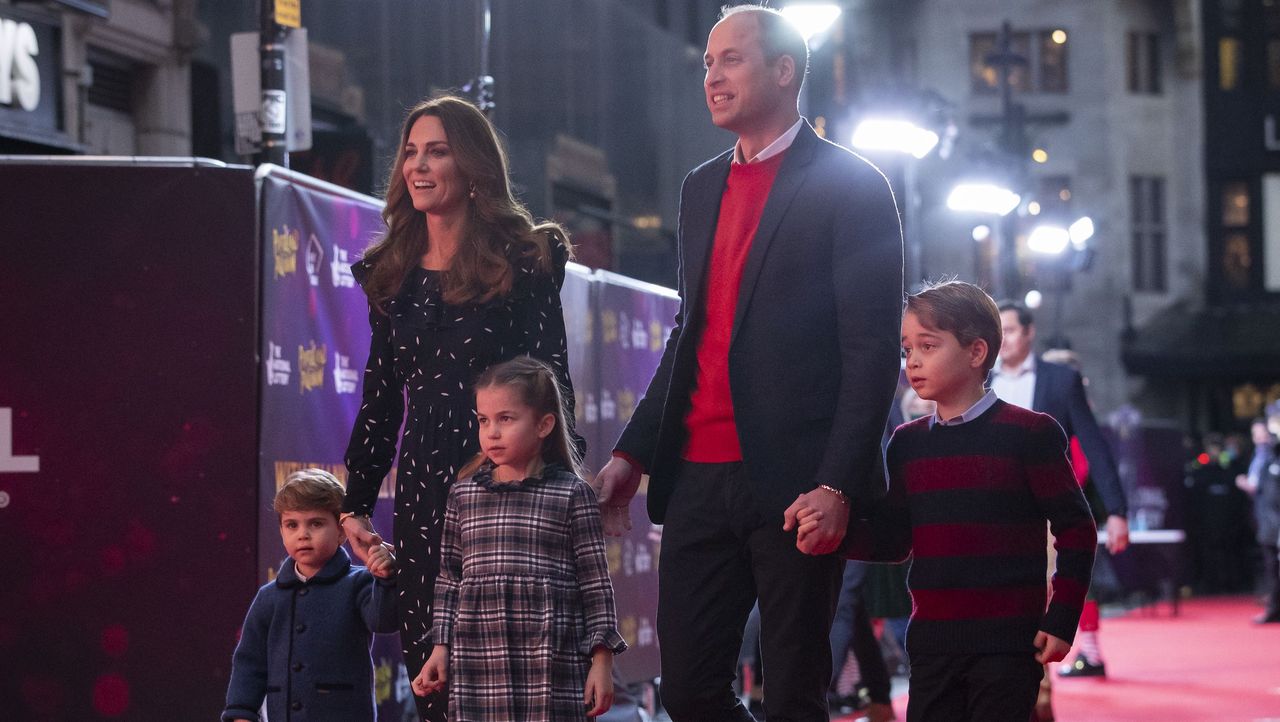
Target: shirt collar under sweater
<point>978,409</point>
<point>777,146</point>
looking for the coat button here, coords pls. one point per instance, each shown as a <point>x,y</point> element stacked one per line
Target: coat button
<point>297,666</point>
<point>296,706</point>
<point>300,628</point>
<point>302,592</point>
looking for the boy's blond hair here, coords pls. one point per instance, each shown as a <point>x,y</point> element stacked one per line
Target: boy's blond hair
<point>310,490</point>
<point>963,310</point>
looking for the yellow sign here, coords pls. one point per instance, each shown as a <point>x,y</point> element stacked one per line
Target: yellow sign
<point>289,13</point>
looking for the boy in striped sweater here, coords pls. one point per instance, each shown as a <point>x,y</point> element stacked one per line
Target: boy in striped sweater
<point>970,490</point>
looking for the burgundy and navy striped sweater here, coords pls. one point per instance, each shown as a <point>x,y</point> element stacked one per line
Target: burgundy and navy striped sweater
<point>969,503</point>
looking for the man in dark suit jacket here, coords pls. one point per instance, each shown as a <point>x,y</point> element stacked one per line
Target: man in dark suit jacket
<point>1026,380</point>
<point>773,389</point>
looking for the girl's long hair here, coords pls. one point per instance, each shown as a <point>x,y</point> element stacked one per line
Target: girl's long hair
<point>538,388</point>
<point>499,231</point>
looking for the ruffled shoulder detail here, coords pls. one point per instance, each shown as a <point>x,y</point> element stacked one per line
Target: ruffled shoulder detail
<point>529,273</point>
<point>484,478</point>
<point>361,270</point>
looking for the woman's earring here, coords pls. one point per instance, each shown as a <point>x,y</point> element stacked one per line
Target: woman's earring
<point>473,190</point>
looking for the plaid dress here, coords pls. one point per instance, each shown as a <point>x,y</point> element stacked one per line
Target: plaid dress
<point>523,597</point>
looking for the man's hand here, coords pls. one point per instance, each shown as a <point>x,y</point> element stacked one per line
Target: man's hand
<point>823,526</point>
<point>615,486</point>
<point>1051,648</point>
<point>1117,534</point>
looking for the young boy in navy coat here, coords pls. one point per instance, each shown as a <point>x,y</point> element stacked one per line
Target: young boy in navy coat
<point>304,647</point>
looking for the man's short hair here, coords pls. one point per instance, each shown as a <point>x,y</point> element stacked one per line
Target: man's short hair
<point>1025,318</point>
<point>778,36</point>
<point>963,310</point>
<point>310,490</point>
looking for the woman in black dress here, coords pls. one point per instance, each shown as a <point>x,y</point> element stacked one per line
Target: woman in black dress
<point>462,279</point>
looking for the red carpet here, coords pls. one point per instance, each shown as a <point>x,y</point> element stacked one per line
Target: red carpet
<point>1207,665</point>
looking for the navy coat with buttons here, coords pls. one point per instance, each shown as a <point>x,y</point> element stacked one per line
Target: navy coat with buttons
<point>305,645</point>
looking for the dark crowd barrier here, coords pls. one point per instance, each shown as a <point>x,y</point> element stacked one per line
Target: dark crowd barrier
<point>176,337</point>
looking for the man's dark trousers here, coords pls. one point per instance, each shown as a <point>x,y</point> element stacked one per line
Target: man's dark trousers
<point>718,554</point>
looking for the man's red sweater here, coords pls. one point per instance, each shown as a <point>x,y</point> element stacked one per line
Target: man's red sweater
<point>713,435</point>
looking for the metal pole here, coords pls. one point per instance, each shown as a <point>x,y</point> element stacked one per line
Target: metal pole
<point>910,221</point>
<point>484,84</point>
<point>273,111</point>
<point>1012,140</point>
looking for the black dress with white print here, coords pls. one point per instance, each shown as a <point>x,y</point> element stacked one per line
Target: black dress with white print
<point>428,353</point>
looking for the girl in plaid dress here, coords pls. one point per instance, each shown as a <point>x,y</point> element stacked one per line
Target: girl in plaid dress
<point>524,625</point>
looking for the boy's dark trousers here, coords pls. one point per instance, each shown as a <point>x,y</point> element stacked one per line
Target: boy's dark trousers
<point>718,553</point>
<point>976,687</point>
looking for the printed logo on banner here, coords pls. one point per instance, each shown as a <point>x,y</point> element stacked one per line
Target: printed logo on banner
<point>609,327</point>
<point>639,336</point>
<point>626,404</point>
<point>591,408</point>
<point>656,336</point>
<point>340,267</point>
<point>644,634</point>
<point>284,245</point>
<point>608,409</point>
<point>311,361</point>
<point>344,377</point>
<point>315,259</point>
<point>278,369</point>
<point>628,627</point>
<point>644,559</point>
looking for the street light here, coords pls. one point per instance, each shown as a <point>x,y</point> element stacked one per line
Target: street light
<point>899,136</point>
<point>811,17</point>
<point>904,138</point>
<point>1081,231</point>
<point>983,198</point>
<point>1049,240</point>
<point>1053,240</point>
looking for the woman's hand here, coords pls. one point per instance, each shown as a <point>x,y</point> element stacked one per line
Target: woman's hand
<point>434,673</point>
<point>360,534</point>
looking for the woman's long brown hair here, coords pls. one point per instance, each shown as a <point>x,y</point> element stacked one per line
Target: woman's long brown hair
<point>500,231</point>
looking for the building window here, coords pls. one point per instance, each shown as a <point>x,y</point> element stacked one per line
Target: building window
<point>1271,24</point>
<point>113,86</point>
<point>1235,204</point>
<point>1237,257</point>
<point>1053,61</point>
<point>1229,60</point>
<point>1144,66</point>
<point>1271,232</point>
<point>1149,233</point>
<point>1045,69</point>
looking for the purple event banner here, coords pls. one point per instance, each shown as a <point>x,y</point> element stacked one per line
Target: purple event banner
<point>314,344</point>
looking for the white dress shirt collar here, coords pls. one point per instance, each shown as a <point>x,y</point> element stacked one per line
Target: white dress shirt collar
<point>777,146</point>
<point>978,409</point>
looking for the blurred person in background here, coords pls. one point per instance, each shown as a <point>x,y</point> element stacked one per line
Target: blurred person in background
<point>1262,482</point>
